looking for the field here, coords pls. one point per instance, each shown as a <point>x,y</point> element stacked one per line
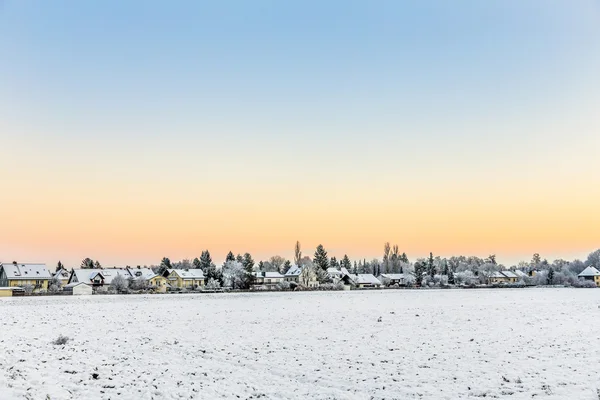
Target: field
<point>395,344</point>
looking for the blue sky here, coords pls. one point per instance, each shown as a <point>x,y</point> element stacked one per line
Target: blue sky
<point>381,99</point>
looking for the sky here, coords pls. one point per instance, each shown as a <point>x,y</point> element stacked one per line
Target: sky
<point>130,131</point>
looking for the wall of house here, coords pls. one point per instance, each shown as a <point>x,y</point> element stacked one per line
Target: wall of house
<point>5,292</point>
<point>36,283</point>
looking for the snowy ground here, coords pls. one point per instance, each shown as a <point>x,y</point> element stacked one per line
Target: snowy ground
<point>429,344</point>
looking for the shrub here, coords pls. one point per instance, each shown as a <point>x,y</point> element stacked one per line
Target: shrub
<point>212,284</point>
<point>283,286</point>
<point>60,340</point>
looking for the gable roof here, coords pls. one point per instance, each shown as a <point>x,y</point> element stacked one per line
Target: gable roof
<point>295,270</point>
<point>188,273</point>
<point>87,275</point>
<point>140,273</point>
<point>61,274</point>
<point>270,274</point>
<point>334,271</point>
<point>25,271</point>
<point>589,271</point>
<point>367,279</point>
<point>393,276</point>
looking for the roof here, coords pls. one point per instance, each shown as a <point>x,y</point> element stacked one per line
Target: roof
<point>520,273</point>
<point>589,271</point>
<point>25,271</point>
<point>272,275</point>
<point>393,276</point>
<point>510,274</point>
<point>141,273</point>
<point>73,284</point>
<point>295,270</point>
<point>188,273</point>
<point>367,279</point>
<point>61,274</point>
<point>87,275</point>
<point>334,271</point>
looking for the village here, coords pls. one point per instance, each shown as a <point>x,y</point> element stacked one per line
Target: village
<point>26,279</point>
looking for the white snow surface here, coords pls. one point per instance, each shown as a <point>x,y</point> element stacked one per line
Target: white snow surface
<point>391,344</point>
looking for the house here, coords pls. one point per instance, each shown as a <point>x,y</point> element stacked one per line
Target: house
<point>78,289</point>
<point>62,275</point>
<point>588,274</point>
<point>520,274</point>
<point>392,279</point>
<point>97,278</point>
<point>360,280</point>
<point>503,277</point>
<point>334,274</point>
<point>6,291</point>
<point>295,274</point>
<point>267,280</point>
<point>22,275</point>
<point>140,273</point>
<point>159,283</point>
<point>186,278</point>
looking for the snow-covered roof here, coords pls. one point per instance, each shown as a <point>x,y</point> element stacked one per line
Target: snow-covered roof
<point>520,273</point>
<point>589,271</point>
<point>61,274</point>
<point>73,284</point>
<point>188,273</point>
<point>393,277</point>
<point>344,271</point>
<point>510,274</point>
<point>271,275</point>
<point>141,273</point>
<point>334,271</point>
<point>87,275</point>
<point>295,270</point>
<point>367,279</point>
<point>26,271</point>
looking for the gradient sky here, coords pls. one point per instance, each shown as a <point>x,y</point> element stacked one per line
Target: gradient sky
<point>136,130</point>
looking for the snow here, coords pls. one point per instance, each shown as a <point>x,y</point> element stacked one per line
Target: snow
<point>589,271</point>
<point>389,344</point>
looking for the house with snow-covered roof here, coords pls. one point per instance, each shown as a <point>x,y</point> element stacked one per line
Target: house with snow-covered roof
<point>392,279</point>
<point>503,277</point>
<point>590,274</point>
<point>302,275</point>
<point>360,280</point>
<point>24,275</point>
<point>186,278</point>
<point>267,280</point>
<point>97,278</point>
<point>62,275</point>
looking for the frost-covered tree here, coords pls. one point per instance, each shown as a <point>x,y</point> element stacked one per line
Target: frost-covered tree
<point>576,266</point>
<point>234,275</point>
<point>320,259</point>
<point>404,258</point>
<point>333,263</point>
<point>308,275</point>
<point>420,268</point>
<point>261,266</point>
<point>212,284</point>
<point>239,258</point>
<point>593,259</point>
<point>248,263</point>
<point>491,259</point>
<point>55,285</point>
<point>536,260</point>
<point>119,283</point>
<point>229,257</point>
<point>550,277</point>
<point>431,266</point>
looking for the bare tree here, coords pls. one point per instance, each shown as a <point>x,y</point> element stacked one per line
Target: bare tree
<point>277,263</point>
<point>297,253</point>
<point>386,256</point>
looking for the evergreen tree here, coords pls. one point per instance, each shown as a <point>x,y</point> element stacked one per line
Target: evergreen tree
<point>261,266</point>
<point>97,264</point>
<point>446,269</point>
<point>355,271</point>
<point>550,277</point>
<point>404,258</point>
<point>286,266</point>
<point>420,268</point>
<point>196,263</point>
<point>320,260</point>
<point>346,263</point>
<point>431,266</point>
<point>334,263</point>
<point>230,257</point>
<point>451,276</point>
<point>165,265</point>
<point>205,260</point>
<point>240,259</point>
<point>248,262</point>
<point>59,266</point>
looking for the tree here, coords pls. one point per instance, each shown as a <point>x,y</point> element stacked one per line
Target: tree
<point>205,260</point>
<point>420,268</point>
<point>536,260</point>
<point>286,266</point>
<point>593,259</point>
<point>333,263</point>
<point>491,259</point>
<point>386,256</point>
<point>196,263</point>
<point>404,258</point>
<point>234,275</point>
<point>239,259</point>
<point>230,257</point>
<point>307,275</point>
<point>165,265</point>
<point>213,284</point>
<point>395,258</point>
<point>97,264</point>
<point>248,263</point>
<point>59,266</point>
<point>119,283</point>
<point>430,266</point>
<point>346,263</point>
<point>55,284</point>
<point>261,266</point>
<point>297,253</point>
<point>277,263</point>
<point>550,276</point>
<point>320,259</point>
<point>87,263</point>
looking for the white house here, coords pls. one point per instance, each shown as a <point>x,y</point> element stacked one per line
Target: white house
<point>78,289</point>
<point>392,279</point>
<point>267,280</point>
<point>590,274</point>
<point>97,278</point>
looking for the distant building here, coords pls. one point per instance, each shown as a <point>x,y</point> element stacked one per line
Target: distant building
<point>97,278</point>
<point>267,280</point>
<point>186,278</point>
<point>392,279</point>
<point>503,277</point>
<point>23,275</point>
<point>295,274</point>
<point>78,289</point>
<point>590,274</point>
<point>360,280</point>
<point>62,275</point>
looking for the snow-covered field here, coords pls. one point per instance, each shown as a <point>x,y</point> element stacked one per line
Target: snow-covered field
<point>394,344</point>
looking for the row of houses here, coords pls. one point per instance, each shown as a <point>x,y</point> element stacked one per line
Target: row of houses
<point>15,277</point>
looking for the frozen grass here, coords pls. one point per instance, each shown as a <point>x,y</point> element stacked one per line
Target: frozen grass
<point>429,344</point>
